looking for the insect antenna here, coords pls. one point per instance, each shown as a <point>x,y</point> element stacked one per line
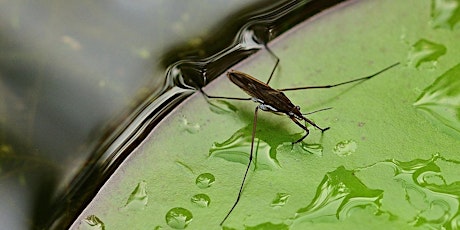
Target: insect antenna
<point>319,110</point>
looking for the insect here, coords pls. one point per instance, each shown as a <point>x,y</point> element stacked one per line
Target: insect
<point>274,100</point>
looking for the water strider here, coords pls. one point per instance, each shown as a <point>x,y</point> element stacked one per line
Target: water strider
<point>274,100</point>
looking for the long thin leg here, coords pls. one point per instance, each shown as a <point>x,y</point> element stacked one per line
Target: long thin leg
<point>305,128</point>
<point>228,98</point>
<point>276,64</point>
<point>247,168</point>
<point>342,83</point>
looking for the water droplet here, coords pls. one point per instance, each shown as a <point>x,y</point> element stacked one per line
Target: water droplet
<point>345,148</point>
<point>91,222</point>
<point>189,127</point>
<point>178,218</point>
<point>445,13</point>
<point>427,198</point>
<point>238,147</point>
<point>221,107</point>
<point>201,200</point>
<point>266,144</point>
<point>440,102</point>
<point>425,51</point>
<point>339,192</point>
<point>138,198</point>
<point>205,180</point>
<point>280,199</point>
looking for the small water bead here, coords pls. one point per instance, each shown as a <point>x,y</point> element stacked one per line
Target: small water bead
<point>280,199</point>
<point>205,180</point>
<point>190,127</point>
<point>425,51</point>
<point>201,200</point>
<point>178,218</point>
<point>345,148</point>
<point>445,13</point>
<point>440,102</point>
<point>91,222</point>
<point>138,198</point>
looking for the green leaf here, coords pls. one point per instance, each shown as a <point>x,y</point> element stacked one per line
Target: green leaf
<point>382,165</point>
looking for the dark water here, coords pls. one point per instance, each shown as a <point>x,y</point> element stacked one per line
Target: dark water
<point>81,85</point>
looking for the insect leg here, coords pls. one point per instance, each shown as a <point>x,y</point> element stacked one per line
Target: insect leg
<point>276,64</point>
<point>227,98</point>
<point>247,168</point>
<point>305,127</point>
<point>342,83</point>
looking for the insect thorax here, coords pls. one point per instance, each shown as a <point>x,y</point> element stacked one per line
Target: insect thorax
<point>263,106</point>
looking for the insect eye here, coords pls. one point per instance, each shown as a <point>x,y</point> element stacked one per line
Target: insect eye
<point>297,107</point>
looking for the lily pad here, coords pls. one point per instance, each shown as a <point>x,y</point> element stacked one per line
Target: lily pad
<point>400,173</point>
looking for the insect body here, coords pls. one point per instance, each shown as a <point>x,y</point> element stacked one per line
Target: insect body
<point>270,99</point>
<point>274,100</point>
